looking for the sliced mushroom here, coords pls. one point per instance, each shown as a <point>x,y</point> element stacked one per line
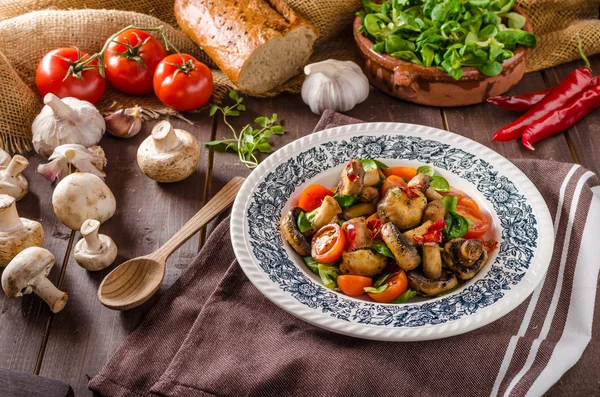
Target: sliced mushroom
<point>424,286</point>
<point>371,177</point>
<point>464,257</point>
<point>406,254</point>
<point>325,213</point>
<point>421,180</point>
<point>434,211</point>
<point>362,262</point>
<point>291,233</point>
<point>352,178</point>
<point>402,211</point>
<point>432,194</point>
<point>360,228</point>
<point>369,194</point>
<point>432,261</point>
<point>417,231</point>
<point>362,209</point>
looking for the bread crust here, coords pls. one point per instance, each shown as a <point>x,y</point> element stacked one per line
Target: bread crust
<point>229,31</point>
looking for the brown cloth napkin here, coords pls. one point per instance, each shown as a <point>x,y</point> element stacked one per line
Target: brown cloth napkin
<point>214,334</point>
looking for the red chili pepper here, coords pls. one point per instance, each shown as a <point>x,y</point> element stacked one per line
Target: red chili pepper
<point>434,233</point>
<point>437,225</point>
<point>411,191</point>
<point>352,177</point>
<point>350,236</point>
<point>564,93</point>
<point>563,118</point>
<point>490,245</point>
<point>374,226</point>
<point>521,102</point>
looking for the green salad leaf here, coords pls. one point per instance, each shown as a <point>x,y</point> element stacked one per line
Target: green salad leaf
<point>450,203</point>
<point>382,249</point>
<point>456,225</point>
<point>311,263</point>
<point>377,290</point>
<point>439,184</point>
<point>405,297</point>
<point>329,275</point>
<point>305,220</point>
<point>381,279</point>
<point>448,34</point>
<point>426,169</point>
<point>346,200</point>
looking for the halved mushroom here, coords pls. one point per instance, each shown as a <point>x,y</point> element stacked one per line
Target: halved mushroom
<point>362,209</point>
<point>406,254</point>
<point>361,239</point>
<point>432,261</point>
<point>417,231</point>
<point>421,180</point>
<point>424,286</point>
<point>434,211</point>
<point>369,194</point>
<point>402,211</point>
<point>325,213</point>
<point>352,178</point>
<point>291,233</point>
<point>362,262</point>
<point>465,257</point>
<point>432,194</point>
<point>371,177</point>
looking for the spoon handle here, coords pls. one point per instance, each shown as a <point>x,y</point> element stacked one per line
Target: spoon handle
<point>221,201</point>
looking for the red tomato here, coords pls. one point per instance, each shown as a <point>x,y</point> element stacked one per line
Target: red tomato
<point>397,285</point>
<point>392,181</point>
<point>312,197</point>
<point>131,59</point>
<point>353,285</point>
<point>328,244</point>
<point>60,72</point>
<point>479,223</point>
<point>182,82</point>
<point>403,172</point>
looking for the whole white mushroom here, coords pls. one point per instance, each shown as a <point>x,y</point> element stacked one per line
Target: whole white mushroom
<point>16,233</point>
<point>81,196</point>
<point>94,251</point>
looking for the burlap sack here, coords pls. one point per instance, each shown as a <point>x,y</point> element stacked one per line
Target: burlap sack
<point>24,39</point>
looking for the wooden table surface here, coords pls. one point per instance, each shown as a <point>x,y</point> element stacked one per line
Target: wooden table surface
<point>73,345</point>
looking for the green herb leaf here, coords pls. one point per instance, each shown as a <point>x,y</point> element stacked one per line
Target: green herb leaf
<point>213,110</point>
<point>405,297</point>
<point>381,279</point>
<point>382,249</point>
<point>233,95</point>
<point>426,169</point>
<point>305,220</point>
<point>329,275</point>
<point>439,184</point>
<point>491,68</point>
<point>312,264</point>
<point>346,200</point>
<point>450,203</point>
<point>456,225</point>
<point>377,290</point>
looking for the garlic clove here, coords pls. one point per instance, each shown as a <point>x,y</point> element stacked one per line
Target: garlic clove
<point>124,123</point>
<point>90,160</point>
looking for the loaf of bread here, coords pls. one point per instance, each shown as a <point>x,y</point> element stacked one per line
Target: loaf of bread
<point>259,44</point>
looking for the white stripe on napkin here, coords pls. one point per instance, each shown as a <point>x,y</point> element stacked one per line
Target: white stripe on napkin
<point>578,328</point>
<point>510,351</point>
<point>557,289</point>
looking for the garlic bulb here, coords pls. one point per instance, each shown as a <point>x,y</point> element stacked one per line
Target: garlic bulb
<point>90,160</point>
<point>66,120</point>
<point>335,85</point>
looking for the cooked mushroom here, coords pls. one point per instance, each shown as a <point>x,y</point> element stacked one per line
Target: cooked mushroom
<point>417,231</point>
<point>352,178</point>
<point>464,257</point>
<point>421,180</point>
<point>432,261</point>
<point>434,211</point>
<point>402,211</point>
<point>12,182</point>
<point>369,194</point>
<point>362,262</point>
<point>405,254</point>
<point>28,272</point>
<point>16,233</point>
<point>94,251</point>
<point>424,286</point>
<point>371,177</point>
<point>362,209</point>
<point>432,194</point>
<point>291,233</point>
<point>325,213</point>
<point>361,239</point>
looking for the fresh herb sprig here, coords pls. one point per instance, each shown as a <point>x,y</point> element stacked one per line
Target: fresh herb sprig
<point>248,142</point>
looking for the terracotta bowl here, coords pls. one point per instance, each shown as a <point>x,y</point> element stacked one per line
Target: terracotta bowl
<point>432,86</point>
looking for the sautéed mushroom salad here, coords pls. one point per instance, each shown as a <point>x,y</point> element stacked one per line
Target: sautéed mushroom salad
<point>388,232</point>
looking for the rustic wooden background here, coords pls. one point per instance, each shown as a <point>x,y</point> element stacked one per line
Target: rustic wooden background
<point>73,345</point>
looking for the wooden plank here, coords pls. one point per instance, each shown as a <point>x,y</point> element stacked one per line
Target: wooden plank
<point>479,123</point>
<point>148,214</point>
<point>300,121</point>
<point>585,135</point>
<point>19,384</point>
<point>23,320</point>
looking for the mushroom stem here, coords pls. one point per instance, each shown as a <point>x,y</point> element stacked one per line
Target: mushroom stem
<point>54,297</point>
<point>9,217</point>
<point>61,110</point>
<point>89,231</point>
<point>164,136</point>
<point>17,165</point>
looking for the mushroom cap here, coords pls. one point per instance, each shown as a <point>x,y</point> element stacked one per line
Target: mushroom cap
<point>82,196</point>
<point>30,234</point>
<point>452,258</point>
<point>16,187</point>
<point>291,233</point>
<point>174,165</point>
<point>94,261</point>
<point>28,264</point>
<point>424,286</point>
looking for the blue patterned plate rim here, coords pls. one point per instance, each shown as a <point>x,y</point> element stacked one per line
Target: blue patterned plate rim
<point>516,205</point>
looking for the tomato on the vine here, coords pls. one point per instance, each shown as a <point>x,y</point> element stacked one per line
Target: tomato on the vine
<point>131,59</point>
<point>64,73</point>
<point>182,82</point>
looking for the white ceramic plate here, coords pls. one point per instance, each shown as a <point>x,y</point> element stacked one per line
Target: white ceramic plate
<point>520,221</point>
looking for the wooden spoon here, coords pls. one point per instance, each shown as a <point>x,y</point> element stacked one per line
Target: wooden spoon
<point>135,281</point>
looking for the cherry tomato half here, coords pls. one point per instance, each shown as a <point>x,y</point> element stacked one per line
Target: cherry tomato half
<point>312,197</point>
<point>328,244</point>
<point>182,82</point>
<point>392,181</point>
<point>352,285</point>
<point>463,198</point>
<point>131,59</point>
<point>60,72</point>
<point>403,172</point>
<point>397,285</point>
